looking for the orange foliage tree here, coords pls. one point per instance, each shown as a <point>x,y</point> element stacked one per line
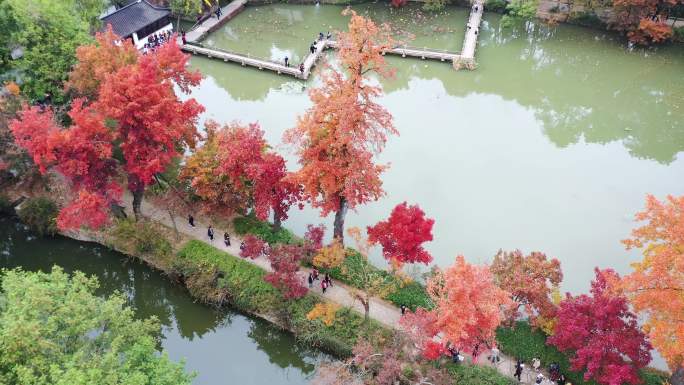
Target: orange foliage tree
<point>530,279</point>
<point>644,21</point>
<point>98,60</point>
<point>468,304</point>
<point>337,138</point>
<point>656,286</point>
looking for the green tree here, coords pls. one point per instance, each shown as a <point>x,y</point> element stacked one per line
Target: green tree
<point>48,32</point>
<point>55,331</point>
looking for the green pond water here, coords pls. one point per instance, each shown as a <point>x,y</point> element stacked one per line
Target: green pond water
<point>550,145</point>
<point>224,347</point>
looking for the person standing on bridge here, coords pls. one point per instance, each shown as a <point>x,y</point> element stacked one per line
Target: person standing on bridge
<point>183,37</point>
<point>287,61</point>
<point>301,68</point>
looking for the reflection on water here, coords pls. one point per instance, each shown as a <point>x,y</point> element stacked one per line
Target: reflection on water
<point>225,347</point>
<point>551,144</point>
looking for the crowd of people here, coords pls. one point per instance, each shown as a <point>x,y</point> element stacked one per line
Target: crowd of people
<point>156,40</point>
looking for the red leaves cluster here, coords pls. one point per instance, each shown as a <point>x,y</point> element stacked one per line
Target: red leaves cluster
<point>285,262</point>
<point>398,3</point>
<point>253,247</point>
<point>403,234</point>
<point>602,334</point>
<point>433,350</point>
<point>650,31</point>
<point>234,170</point>
<point>529,279</point>
<point>468,304</point>
<point>134,110</point>
<point>644,20</point>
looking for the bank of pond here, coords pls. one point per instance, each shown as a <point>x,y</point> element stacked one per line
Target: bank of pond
<point>218,313</point>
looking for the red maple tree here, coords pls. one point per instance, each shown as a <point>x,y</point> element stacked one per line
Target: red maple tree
<point>285,262</point>
<point>337,138</point>
<point>602,335</point>
<point>235,169</point>
<point>136,112</point>
<point>530,279</point>
<point>403,234</point>
<point>468,305</point>
<point>253,247</point>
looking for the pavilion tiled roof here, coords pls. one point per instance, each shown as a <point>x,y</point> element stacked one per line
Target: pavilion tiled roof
<point>134,17</point>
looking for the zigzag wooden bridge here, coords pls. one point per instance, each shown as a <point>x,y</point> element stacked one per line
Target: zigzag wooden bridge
<point>465,59</point>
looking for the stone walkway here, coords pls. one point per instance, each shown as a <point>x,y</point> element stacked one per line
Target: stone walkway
<point>380,310</point>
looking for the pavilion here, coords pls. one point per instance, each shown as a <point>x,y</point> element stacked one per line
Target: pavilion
<point>138,20</point>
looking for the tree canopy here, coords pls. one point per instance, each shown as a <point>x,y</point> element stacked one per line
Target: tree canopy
<point>48,32</point>
<point>54,330</point>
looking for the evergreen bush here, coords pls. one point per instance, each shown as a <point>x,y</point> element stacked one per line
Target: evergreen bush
<point>40,215</point>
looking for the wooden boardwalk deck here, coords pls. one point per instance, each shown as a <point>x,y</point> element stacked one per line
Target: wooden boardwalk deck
<point>260,63</point>
<point>200,31</point>
<point>467,58</point>
<point>407,51</point>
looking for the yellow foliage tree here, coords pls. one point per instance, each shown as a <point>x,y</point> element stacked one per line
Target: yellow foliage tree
<point>330,256</point>
<point>325,311</point>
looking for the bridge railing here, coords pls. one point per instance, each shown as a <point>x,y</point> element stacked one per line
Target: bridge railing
<point>246,55</point>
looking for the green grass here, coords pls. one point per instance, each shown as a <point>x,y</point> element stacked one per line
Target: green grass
<point>263,230</point>
<point>478,375</point>
<point>245,289</point>
<point>526,343</point>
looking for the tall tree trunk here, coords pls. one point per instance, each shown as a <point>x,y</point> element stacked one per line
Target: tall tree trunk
<point>677,376</point>
<point>137,200</point>
<point>338,226</point>
<point>277,222</point>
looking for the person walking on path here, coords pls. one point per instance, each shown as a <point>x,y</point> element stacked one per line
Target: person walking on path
<point>327,279</point>
<point>536,364</point>
<point>540,378</point>
<point>226,238</point>
<point>218,13</point>
<point>210,233</point>
<point>324,286</point>
<point>495,355</point>
<point>518,369</point>
<point>315,274</point>
<point>310,280</point>
<point>191,220</point>
<point>403,309</point>
<point>476,352</point>
<point>183,37</point>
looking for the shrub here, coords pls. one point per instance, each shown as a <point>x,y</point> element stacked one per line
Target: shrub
<point>496,5</point>
<point>143,236</point>
<point>678,34</point>
<point>412,295</point>
<point>263,230</point>
<point>40,214</point>
<point>526,343</point>
<point>477,375</point>
<point>5,205</point>
<point>434,5</point>
<point>519,10</point>
<point>587,19</point>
